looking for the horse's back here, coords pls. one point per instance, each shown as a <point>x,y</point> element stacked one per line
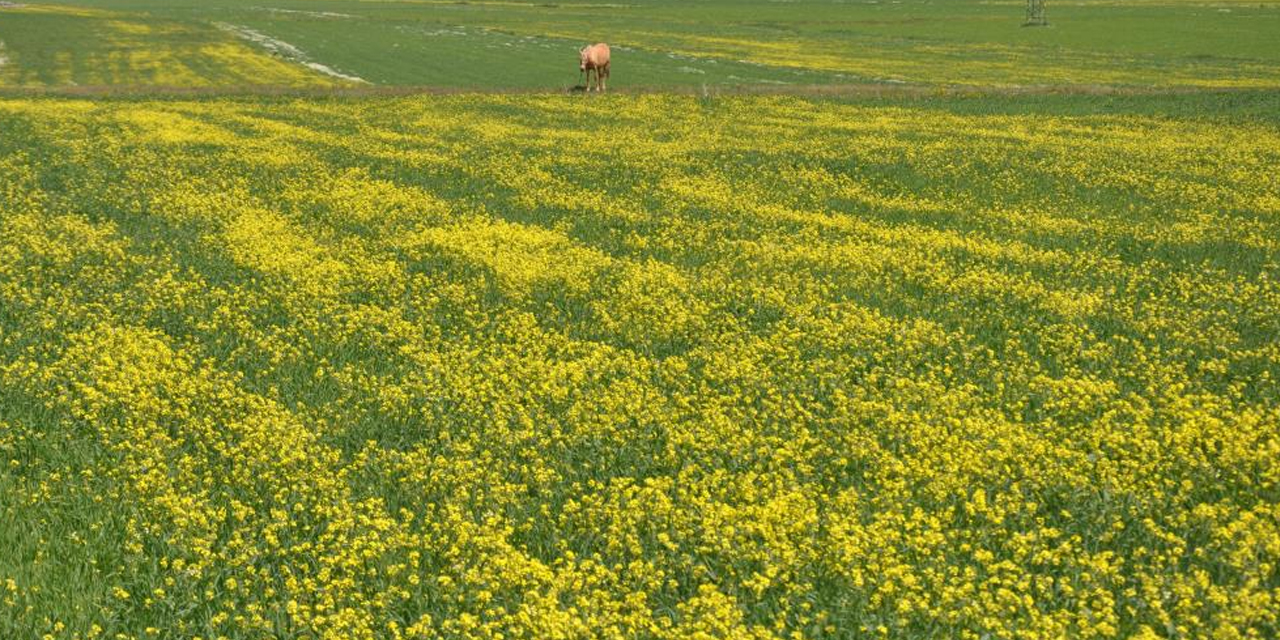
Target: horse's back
<point>598,55</point>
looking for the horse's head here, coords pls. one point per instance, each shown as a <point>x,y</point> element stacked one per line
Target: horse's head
<point>582,58</point>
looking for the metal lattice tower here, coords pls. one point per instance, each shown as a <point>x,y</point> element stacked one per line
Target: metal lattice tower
<point>1035,14</point>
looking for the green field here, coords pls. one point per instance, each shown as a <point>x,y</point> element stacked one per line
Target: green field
<point>346,320</point>
<point>474,366</point>
<point>659,43</point>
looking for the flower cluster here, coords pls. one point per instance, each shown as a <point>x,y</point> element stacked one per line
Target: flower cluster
<point>545,367</point>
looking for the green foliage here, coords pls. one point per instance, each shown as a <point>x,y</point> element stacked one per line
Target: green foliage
<point>470,366</point>
<point>664,43</point>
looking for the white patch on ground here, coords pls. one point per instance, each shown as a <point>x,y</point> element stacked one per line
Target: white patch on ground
<point>435,33</point>
<point>489,38</point>
<point>310,14</point>
<point>692,70</point>
<point>330,71</point>
<point>4,59</point>
<point>284,50</point>
<point>11,5</point>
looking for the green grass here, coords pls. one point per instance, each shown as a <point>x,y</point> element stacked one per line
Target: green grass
<point>664,43</point>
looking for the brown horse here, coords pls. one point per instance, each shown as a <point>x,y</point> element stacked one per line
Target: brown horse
<point>595,57</point>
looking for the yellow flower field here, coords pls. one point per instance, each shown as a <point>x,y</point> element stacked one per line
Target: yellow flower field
<point>639,367</point>
<point>62,46</point>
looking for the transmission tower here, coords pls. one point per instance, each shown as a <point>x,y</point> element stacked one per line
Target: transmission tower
<point>1035,14</point>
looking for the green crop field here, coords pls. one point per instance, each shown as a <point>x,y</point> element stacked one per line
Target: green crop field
<point>348,320</point>
<point>491,44</point>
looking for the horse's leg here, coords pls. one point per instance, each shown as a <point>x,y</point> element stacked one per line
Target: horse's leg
<point>589,70</point>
